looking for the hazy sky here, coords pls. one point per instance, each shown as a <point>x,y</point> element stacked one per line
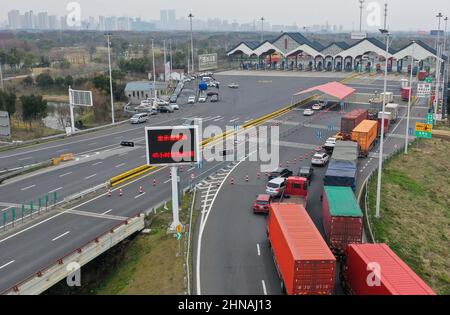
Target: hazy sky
<point>403,14</point>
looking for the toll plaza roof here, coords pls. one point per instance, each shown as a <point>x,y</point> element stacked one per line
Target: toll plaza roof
<point>334,89</point>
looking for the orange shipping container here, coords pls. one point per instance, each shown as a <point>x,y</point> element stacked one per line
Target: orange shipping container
<point>304,262</point>
<point>365,134</point>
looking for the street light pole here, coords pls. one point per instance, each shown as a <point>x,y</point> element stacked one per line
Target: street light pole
<point>262,29</point>
<point>108,36</point>
<point>438,65</point>
<point>154,72</point>
<point>443,52</point>
<point>410,96</point>
<point>380,158</point>
<point>361,2</point>
<point>1,76</point>
<point>190,16</point>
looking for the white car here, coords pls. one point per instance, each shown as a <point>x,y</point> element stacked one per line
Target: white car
<point>330,143</point>
<point>175,106</point>
<point>308,112</point>
<point>202,99</point>
<point>276,186</point>
<point>320,159</point>
<point>233,86</point>
<point>318,106</point>
<point>139,118</point>
<point>191,99</point>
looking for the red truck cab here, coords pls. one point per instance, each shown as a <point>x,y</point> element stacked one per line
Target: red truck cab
<point>296,191</point>
<point>261,204</point>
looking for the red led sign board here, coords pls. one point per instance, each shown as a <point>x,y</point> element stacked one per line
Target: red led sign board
<point>172,145</point>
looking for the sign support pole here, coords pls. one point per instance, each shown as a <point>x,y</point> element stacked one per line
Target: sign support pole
<point>175,202</point>
<point>72,117</point>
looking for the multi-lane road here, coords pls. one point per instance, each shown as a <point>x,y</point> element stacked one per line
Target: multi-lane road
<point>100,157</point>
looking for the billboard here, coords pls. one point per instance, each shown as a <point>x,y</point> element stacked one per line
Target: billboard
<point>5,128</point>
<point>358,35</point>
<point>207,62</point>
<point>172,145</point>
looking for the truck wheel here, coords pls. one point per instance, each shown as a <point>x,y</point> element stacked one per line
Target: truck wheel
<point>283,287</point>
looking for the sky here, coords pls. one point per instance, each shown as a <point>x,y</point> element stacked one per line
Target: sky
<point>410,15</point>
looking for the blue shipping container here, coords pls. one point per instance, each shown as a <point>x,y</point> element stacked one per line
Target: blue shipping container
<point>341,173</point>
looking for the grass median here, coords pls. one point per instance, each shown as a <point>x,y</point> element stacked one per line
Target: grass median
<point>415,210</point>
<point>145,264</point>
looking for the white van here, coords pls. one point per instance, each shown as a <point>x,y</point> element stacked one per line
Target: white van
<point>276,186</point>
<point>139,118</point>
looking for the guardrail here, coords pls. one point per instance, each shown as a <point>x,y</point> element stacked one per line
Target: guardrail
<point>7,174</point>
<point>39,281</point>
<point>117,180</point>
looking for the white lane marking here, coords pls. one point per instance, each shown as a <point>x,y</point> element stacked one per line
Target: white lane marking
<point>106,212</point>
<point>167,181</point>
<point>27,158</point>
<point>120,165</point>
<point>143,157</point>
<point>62,175</point>
<point>93,175</point>
<point>258,249</point>
<point>62,235</point>
<point>191,169</point>
<point>26,188</point>
<point>52,191</point>
<point>7,264</point>
<point>264,287</point>
<point>140,195</point>
<point>62,150</point>
<point>97,163</point>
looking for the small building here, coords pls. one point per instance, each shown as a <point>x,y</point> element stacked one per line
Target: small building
<point>138,91</point>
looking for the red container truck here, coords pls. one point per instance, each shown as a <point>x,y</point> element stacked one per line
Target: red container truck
<point>342,218</point>
<point>405,93</point>
<point>304,262</point>
<point>374,269</point>
<point>422,75</point>
<point>351,120</point>
<point>387,122</point>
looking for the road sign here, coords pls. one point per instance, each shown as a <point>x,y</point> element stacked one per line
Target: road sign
<point>172,145</point>
<point>429,79</point>
<point>424,130</point>
<point>179,236</point>
<point>5,127</point>
<point>430,119</point>
<point>179,228</point>
<point>207,62</point>
<point>410,131</point>
<point>80,98</point>
<point>319,134</point>
<point>423,90</point>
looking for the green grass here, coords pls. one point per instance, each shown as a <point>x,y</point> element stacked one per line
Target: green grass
<point>415,211</point>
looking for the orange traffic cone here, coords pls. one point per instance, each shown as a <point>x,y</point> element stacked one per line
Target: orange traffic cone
<point>141,190</point>
<point>154,181</point>
<point>120,192</point>
<point>258,175</point>
<point>109,193</point>
<point>232,180</point>
<point>246,178</point>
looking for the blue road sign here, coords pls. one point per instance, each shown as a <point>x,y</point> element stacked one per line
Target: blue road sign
<point>179,236</point>
<point>410,131</point>
<point>200,164</point>
<point>319,134</point>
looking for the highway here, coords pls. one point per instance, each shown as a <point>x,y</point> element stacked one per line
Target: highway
<point>20,256</point>
<point>234,254</point>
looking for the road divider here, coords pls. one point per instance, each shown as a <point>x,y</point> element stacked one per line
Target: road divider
<point>119,179</point>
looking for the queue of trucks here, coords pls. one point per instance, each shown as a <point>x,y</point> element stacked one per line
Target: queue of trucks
<point>305,261</point>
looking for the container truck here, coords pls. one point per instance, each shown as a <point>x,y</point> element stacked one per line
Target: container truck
<point>387,120</point>
<point>345,151</point>
<point>422,75</point>
<point>374,269</point>
<point>405,93</point>
<point>305,264</point>
<point>365,134</point>
<point>342,218</point>
<point>393,109</point>
<point>389,97</point>
<point>351,120</point>
<point>341,173</point>
<point>296,191</point>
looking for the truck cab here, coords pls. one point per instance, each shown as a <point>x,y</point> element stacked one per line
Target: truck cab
<point>296,191</point>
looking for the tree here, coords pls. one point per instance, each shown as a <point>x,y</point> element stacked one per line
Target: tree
<point>68,81</point>
<point>44,80</point>
<point>8,102</point>
<point>34,107</point>
<point>59,82</point>
<point>91,50</point>
<point>28,81</point>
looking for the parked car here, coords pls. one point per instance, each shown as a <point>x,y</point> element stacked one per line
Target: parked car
<point>139,118</point>
<point>280,172</point>
<point>276,186</point>
<point>189,122</point>
<point>152,112</point>
<point>320,159</point>
<point>166,109</point>
<point>191,99</point>
<point>261,204</point>
<point>308,112</point>
<point>173,98</point>
<point>306,172</point>
<point>175,106</point>
<point>233,86</point>
<point>318,106</point>
<point>202,98</point>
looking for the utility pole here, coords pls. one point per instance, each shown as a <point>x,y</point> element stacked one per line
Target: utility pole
<point>154,73</point>
<point>438,66</point>
<point>170,54</point>
<point>380,157</point>
<point>262,29</point>
<point>190,16</point>
<point>108,37</point>
<point>410,96</point>
<point>165,60</point>
<point>361,6</point>
<point>1,76</point>
<point>385,15</point>
<point>445,74</point>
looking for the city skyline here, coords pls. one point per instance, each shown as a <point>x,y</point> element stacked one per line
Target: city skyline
<point>345,13</point>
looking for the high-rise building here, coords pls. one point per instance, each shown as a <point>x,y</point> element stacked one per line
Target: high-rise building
<point>29,20</point>
<point>14,20</point>
<point>171,19</point>
<point>163,19</point>
<point>53,22</point>
<point>42,21</point>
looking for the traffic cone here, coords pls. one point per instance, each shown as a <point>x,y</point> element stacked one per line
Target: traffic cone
<point>258,175</point>
<point>181,168</point>
<point>109,193</point>
<point>141,190</point>
<point>246,178</point>
<point>120,192</point>
<point>154,181</point>
<point>232,180</point>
